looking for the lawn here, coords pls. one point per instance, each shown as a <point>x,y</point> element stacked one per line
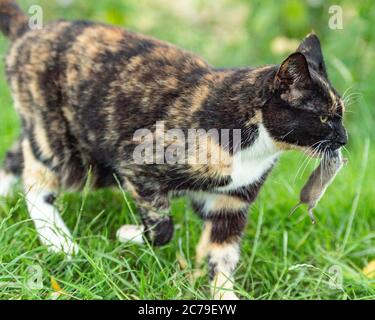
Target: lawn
<point>282,257</point>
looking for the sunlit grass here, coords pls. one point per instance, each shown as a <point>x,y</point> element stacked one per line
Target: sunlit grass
<point>282,257</point>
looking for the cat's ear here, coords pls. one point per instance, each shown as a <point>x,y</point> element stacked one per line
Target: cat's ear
<point>312,50</point>
<point>293,72</point>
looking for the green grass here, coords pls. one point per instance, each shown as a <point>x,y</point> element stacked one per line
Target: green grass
<point>282,257</point>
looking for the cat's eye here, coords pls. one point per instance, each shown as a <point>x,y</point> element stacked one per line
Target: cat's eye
<point>323,119</point>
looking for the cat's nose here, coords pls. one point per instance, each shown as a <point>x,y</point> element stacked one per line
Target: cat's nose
<point>343,140</point>
<point>342,137</point>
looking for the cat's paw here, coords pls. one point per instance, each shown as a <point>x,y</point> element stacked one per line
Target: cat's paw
<point>131,233</point>
<point>57,242</point>
<point>68,248</point>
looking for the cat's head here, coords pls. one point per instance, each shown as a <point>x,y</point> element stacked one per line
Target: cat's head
<point>305,111</point>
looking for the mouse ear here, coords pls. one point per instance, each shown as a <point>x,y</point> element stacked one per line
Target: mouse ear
<point>294,71</point>
<point>312,50</point>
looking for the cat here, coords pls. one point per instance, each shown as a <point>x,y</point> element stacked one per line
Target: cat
<point>83,89</point>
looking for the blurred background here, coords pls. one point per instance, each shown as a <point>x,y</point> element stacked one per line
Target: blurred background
<point>234,33</point>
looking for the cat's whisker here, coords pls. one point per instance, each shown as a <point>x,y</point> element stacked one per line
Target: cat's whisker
<point>284,136</point>
<point>308,152</point>
<point>348,95</point>
<point>351,101</point>
<point>353,98</point>
<point>326,156</point>
<point>322,167</point>
<point>314,153</point>
<point>347,91</point>
<point>350,111</point>
<point>304,157</point>
<point>321,172</point>
<point>308,155</point>
<point>309,159</point>
<point>353,94</point>
<point>348,154</point>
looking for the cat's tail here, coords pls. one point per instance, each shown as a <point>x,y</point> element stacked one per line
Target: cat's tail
<point>13,21</point>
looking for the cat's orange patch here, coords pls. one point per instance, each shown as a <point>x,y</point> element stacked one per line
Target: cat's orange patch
<point>229,203</point>
<point>35,174</point>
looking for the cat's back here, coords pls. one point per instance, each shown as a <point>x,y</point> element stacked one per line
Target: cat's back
<point>79,50</point>
<point>93,85</point>
<point>90,67</point>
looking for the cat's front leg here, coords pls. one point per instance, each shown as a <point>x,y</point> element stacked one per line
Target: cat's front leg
<point>157,225</point>
<point>225,219</point>
<point>222,261</point>
<point>224,251</point>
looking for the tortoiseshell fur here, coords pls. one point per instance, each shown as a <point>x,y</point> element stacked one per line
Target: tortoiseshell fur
<point>82,89</point>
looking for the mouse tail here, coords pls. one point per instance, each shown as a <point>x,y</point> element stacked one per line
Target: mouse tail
<point>294,209</point>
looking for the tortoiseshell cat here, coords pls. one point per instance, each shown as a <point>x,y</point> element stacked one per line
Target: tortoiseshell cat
<point>83,89</point>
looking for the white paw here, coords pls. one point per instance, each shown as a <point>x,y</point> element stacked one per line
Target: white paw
<point>131,233</point>
<point>58,242</point>
<point>225,295</point>
<point>7,181</point>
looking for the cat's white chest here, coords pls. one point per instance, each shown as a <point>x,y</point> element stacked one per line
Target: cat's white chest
<point>250,164</point>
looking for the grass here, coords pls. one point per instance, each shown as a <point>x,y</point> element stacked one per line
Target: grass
<point>282,257</point>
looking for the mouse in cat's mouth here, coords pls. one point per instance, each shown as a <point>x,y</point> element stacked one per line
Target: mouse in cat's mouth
<point>319,181</point>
